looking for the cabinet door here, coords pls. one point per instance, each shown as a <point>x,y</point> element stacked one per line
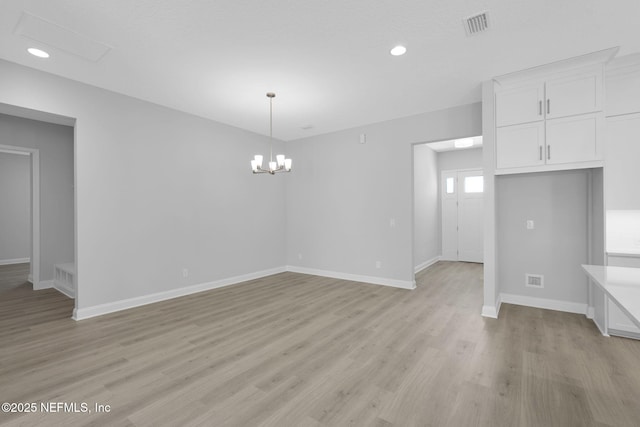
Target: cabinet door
<point>623,91</point>
<point>621,162</point>
<point>619,321</point>
<point>519,105</point>
<point>520,145</point>
<point>573,139</point>
<point>570,96</point>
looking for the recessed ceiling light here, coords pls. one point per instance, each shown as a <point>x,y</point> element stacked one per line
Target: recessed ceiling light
<point>463,143</point>
<point>398,50</point>
<point>37,52</point>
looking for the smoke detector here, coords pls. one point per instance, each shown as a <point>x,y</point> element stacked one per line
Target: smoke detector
<point>477,23</point>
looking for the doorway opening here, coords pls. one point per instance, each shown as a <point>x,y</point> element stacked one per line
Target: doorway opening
<point>433,164</point>
<point>20,193</point>
<point>47,143</point>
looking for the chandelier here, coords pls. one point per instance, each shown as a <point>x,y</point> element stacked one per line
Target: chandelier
<point>281,164</point>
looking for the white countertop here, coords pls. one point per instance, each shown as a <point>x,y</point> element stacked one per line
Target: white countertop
<point>621,284</point>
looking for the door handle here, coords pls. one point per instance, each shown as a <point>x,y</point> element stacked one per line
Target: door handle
<point>540,152</point>
<point>540,107</point>
<point>548,106</point>
<point>548,152</point>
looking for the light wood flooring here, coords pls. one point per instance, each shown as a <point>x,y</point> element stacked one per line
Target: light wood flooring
<point>14,276</point>
<point>299,350</point>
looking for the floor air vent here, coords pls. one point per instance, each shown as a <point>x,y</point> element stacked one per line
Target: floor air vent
<point>476,23</point>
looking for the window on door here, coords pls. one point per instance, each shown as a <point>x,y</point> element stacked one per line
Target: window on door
<point>473,184</point>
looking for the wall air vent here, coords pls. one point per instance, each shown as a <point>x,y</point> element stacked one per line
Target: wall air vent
<point>477,23</point>
<point>534,280</point>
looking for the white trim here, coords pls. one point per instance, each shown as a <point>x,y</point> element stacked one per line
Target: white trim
<point>43,284</point>
<point>14,261</point>
<point>549,304</point>
<point>35,209</point>
<point>111,307</point>
<point>602,331</point>
<point>19,153</point>
<point>489,311</point>
<point>551,167</point>
<point>403,284</point>
<point>591,312</point>
<point>426,264</point>
<point>562,66</point>
<point>64,289</point>
<point>622,333</point>
<point>492,311</point>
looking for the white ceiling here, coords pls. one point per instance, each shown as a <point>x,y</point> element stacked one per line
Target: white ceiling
<point>327,60</point>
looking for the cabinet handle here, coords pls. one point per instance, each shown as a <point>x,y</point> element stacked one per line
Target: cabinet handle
<point>540,152</point>
<point>539,108</point>
<point>548,106</point>
<point>548,152</point>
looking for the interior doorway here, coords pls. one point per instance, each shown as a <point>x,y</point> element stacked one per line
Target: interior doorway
<point>462,215</point>
<point>14,267</point>
<point>430,159</point>
<point>49,142</point>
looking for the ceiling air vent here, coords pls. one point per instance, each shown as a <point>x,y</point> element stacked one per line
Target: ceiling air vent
<point>476,23</point>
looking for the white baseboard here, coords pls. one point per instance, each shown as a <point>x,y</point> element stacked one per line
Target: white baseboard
<point>602,331</point>
<point>625,334</point>
<point>426,264</point>
<point>489,311</point>
<point>99,310</point>
<point>64,289</point>
<point>43,284</point>
<point>492,311</point>
<point>403,284</point>
<point>549,304</point>
<point>591,312</point>
<point>14,261</point>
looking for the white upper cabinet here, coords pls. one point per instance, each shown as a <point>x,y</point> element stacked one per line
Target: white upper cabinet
<point>520,145</point>
<point>551,122</point>
<point>623,86</point>
<point>520,105</point>
<point>573,95</point>
<point>573,139</point>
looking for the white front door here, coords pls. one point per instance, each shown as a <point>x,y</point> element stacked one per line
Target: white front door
<point>462,215</point>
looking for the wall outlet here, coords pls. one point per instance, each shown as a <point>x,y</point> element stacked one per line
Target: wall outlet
<point>185,272</point>
<point>530,224</point>
<point>299,256</point>
<point>378,264</point>
<point>392,222</point>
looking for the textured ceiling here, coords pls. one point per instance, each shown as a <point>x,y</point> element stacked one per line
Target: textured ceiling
<point>327,60</point>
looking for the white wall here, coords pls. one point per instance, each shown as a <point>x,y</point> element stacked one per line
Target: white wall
<point>55,143</point>
<point>470,158</point>
<point>157,191</point>
<point>15,204</point>
<point>344,194</point>
<point>427,240</point>
<point>557,202</point>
